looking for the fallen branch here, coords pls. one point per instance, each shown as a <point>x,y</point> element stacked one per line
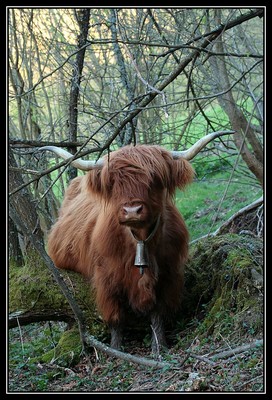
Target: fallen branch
<point>28,317</point>
<point>224,354</point>
<point>91,341</point>
<point>243,210</point>
<point>201,358</point>
<point>237,350</point>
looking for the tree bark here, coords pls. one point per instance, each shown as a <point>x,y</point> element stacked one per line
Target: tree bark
<point>21,203</point>
<point>82,17</point>
<point>15,252</point>
<point>129,130</point>
<point>244,131</point>
<point>28,317</point>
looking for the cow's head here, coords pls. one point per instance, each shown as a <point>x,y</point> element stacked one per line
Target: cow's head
<point>136,181</point>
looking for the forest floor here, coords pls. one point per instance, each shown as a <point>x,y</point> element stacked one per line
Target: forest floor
<point>228,357</point>
<point>232,365</point>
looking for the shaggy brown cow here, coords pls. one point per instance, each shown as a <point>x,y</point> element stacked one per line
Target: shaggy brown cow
<point>118,225</point>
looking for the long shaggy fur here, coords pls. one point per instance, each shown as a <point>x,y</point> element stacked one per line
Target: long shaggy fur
<point>88,238</point>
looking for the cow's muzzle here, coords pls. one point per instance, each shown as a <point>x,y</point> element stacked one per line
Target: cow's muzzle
<point>134,214</point>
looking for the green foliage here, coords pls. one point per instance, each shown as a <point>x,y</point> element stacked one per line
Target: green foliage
<point>25,345</point>
<point>210,166</point>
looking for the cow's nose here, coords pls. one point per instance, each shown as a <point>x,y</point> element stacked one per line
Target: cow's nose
<point>132,211</point>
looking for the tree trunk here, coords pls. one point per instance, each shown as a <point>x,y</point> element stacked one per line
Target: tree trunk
<point>82,17</point>
<point>21,202</point>
<point>15,252</point>
<point>129,130</point>
<point>244,131</point>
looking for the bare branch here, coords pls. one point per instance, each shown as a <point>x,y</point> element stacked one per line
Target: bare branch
<point>237,350</point>
<point>91,341</point>
<point>21,143</point>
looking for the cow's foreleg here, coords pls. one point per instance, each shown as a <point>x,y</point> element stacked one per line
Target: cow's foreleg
<point>158,335</point>
<point>110,307</point>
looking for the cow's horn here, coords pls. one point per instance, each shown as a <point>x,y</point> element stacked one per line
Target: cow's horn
<point>195,149</point>
<point>84,165</point>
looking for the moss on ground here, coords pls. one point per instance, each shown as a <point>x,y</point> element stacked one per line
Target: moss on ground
<point>66,353</point>
<point>224,287</point>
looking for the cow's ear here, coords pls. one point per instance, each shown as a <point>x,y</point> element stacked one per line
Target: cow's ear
<point>94,180</point>
<point>182,173</point>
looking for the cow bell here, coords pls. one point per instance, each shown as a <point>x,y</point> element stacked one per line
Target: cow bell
<point>141,257</point>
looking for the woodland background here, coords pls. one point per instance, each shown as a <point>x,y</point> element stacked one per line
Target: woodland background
<point>91,80</point>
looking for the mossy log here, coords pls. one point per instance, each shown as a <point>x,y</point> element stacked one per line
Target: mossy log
<point>34,296</point>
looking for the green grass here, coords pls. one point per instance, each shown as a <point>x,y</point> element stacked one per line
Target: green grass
<point>202,206</point>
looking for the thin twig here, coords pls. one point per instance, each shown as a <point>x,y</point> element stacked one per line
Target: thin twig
<point>260,220</point>
<point>21,337</point>
<point>251,380</point>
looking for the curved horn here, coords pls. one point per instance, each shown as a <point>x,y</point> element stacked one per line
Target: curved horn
<point>195,149</point>
<point>84,165</point>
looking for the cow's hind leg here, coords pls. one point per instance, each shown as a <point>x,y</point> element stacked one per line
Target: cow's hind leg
<point>116,336</point>
<point>158,335</point>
